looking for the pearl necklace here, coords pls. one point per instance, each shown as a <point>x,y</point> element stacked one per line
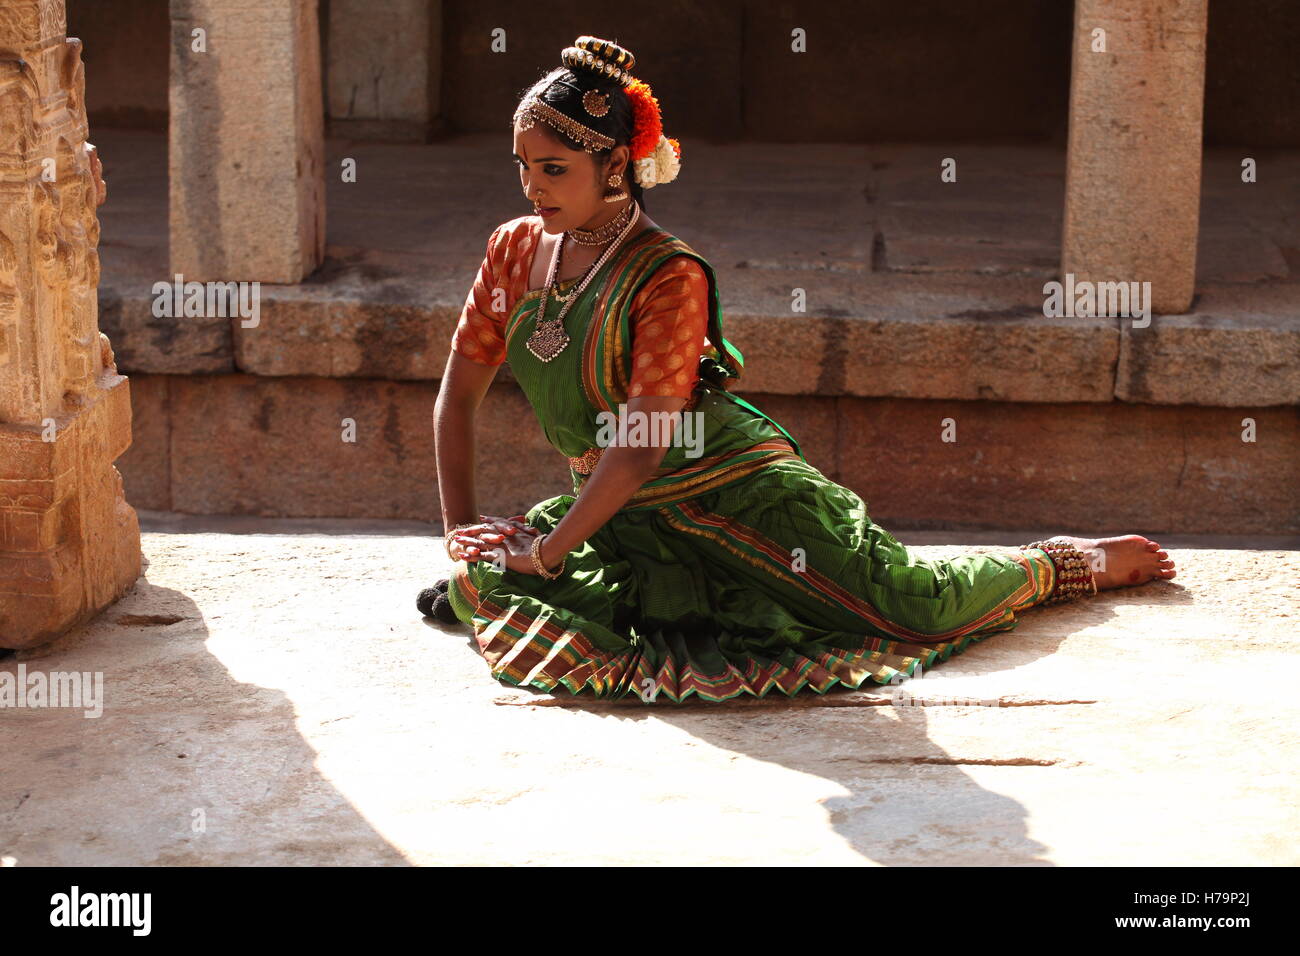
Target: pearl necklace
<point>549,338</point>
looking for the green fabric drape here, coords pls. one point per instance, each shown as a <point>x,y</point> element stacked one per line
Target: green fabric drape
<point>739,571</point>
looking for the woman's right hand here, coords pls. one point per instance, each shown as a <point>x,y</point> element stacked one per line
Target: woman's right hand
<point>472,542</point>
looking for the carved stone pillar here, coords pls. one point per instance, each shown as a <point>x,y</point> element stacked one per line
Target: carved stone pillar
<point>69,542</point>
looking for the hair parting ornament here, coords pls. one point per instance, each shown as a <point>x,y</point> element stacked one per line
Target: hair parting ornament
<point>655,158</point>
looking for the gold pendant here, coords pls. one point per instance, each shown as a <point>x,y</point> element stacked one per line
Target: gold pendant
<point>548,340</point>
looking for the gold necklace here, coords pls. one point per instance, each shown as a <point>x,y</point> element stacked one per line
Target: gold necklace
<point>565,296</point>
<point>549,338</point>
<point>604,233</point>
<point>593,237</point>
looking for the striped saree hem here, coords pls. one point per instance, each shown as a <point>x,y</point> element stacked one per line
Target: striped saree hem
<point>525,650</point>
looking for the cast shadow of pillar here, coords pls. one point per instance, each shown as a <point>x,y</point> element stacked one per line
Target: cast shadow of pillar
<point>186,765</point>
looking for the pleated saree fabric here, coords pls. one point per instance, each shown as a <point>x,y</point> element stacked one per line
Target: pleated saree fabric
<point>739,569</point>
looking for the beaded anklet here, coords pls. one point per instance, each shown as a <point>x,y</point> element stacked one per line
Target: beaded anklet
<point>1074,577</point>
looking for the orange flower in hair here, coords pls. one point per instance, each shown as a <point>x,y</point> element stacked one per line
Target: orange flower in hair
<point>647,125</point>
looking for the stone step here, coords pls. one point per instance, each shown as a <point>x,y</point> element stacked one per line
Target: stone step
<point>914,288</point>
<point>316,447</point>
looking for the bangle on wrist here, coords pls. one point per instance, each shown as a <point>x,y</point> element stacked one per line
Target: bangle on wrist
<point>538,566</point>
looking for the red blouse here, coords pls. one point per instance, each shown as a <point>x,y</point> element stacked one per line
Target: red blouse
<point>669,314</point>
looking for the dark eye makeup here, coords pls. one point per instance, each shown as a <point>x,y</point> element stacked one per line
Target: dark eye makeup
<point>550,168</point>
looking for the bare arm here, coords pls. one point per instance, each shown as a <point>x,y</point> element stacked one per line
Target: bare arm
<point>675,301</point>
<point>464,383</point>
<point>620,472</point>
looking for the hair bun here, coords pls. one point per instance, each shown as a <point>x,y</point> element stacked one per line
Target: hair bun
<point>601,57</point>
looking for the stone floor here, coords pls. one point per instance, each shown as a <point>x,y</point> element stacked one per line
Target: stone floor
<point>272,697</point>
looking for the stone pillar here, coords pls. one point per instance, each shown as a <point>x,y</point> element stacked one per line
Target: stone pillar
<point>69,542</point>
<point>383,68</point>
<point>247,141</point>
<point>1133,173</point>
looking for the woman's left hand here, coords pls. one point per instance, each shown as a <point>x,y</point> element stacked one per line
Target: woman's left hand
<point>517,551</point>
<point>472,542</point>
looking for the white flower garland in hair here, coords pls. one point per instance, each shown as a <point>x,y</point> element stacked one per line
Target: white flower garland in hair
<point>661,166</point>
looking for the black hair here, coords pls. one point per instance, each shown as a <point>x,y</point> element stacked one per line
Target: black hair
<point>564,88</point>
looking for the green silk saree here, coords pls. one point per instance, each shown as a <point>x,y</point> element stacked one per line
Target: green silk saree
<point>739,568</point>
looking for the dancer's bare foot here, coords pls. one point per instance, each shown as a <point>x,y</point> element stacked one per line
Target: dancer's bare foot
<point>1125,560</point>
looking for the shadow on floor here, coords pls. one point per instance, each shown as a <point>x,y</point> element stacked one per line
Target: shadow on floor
<point>186,766</point>
<point>909,802</point>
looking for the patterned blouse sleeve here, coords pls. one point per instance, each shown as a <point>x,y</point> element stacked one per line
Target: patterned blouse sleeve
<point>670,316</point>
<point>480,331</point>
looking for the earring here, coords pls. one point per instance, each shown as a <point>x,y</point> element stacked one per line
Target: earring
<point>615,181</point>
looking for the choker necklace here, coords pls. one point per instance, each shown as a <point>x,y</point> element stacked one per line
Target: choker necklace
<point>602,234</point>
